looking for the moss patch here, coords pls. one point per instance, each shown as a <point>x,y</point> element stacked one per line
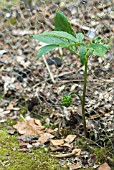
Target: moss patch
<point>23,110</point>
<point>10,122</point>
<point>12,159</point>
<point>102,154</point>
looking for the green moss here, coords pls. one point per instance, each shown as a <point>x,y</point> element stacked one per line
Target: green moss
<point>23,110</point>
<point>101,154</point>
<point>21,119</point>
<point>10,122</point>
<point>37,116</point>
<point>12,159</point>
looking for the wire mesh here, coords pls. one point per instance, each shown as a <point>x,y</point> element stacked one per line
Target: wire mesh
<point>27,81</point>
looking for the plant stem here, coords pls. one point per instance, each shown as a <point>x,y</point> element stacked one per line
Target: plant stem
<point>83,100</point>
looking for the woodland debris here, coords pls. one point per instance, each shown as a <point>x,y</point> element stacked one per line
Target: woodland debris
<point>73,153</point>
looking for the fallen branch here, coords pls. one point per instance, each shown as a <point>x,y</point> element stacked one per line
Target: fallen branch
<point>74,80</point>
<point>73,153</point>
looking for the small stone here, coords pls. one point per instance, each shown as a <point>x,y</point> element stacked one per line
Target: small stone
<point>1,110</point>
<point>36,145</point>
<point>20,78</point>
<point>74,58</point>
<point>73,11</point>
<point>62,5</point>
<point>91,33</point>
<point>47,121</point>
<point>8,15</point>
<point>29,146</point>
<point>55,61</point>
<point>3,120</point>
<point>53,66</point>
<point>108,106</point>
<point>110,98</point>
<point>19,52</point>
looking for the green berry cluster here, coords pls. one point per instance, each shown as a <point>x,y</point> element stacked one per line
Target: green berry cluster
<point>66,100</point>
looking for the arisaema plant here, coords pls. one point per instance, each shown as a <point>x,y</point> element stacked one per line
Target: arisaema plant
<point>64,37</point>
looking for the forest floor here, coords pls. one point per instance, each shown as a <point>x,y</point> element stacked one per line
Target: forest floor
<point>36,131</point>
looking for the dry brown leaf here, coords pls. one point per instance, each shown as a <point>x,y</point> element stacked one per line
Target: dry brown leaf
<point>70,138</point>
<point>79,110</point>
<point>56,148</point>
<point>57,142</point>
<point>67,145</point>
<point>75,166</point>
<point>45,137</point>
<point>23,144</point>
<point>76,151</point>
<point>104,166</point>
<point>32,123</point>
<point>50,130</point>
<point>38,122</point>
<point>28,128</point>
<point>18,126</point>
<point>11,131</point>
<point>11,107</point>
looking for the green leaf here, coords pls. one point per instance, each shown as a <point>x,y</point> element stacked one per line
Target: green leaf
<point>65,44</point>
<point>80,37</point>
<point>73,48</point>
<point>46,49</point>
<point>97,40</point>
<point>62,24</point>
<point>90,52</point>
<point>55,37</point>
<point>60,34</point>
<point>48,39</point>
<point>49,47</point>
<point>99,49</point>
<point>82,54</point>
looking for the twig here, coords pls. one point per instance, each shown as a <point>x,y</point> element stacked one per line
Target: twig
<point>51,75</point>
<point>49,24</point>
<point>74,80</point>
<point>64,155</point>
<point>73,153</point>
<point>81,80</point>
<point>56,76</point>
<point>23,118</point>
